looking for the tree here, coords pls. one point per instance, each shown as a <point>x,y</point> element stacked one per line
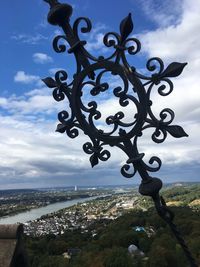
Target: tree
<point>57,247</point>
<point>159,256</point>
<point>118,257</point>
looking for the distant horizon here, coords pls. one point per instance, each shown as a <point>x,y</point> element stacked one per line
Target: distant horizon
<point>96,186</point>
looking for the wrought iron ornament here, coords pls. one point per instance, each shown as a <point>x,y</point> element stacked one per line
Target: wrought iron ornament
<point>134,92</point>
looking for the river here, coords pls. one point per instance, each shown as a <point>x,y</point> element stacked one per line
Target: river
<point>34,214</point>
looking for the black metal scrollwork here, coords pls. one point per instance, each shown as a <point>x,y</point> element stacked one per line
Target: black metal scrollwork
<point>134,92</point>
<point>114,66</point>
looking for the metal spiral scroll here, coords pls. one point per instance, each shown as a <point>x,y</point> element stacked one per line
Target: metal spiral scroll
<point>134,92</point>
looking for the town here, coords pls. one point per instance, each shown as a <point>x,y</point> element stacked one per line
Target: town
<point>21,200</point>
<point>82,215</point>
<point>118,227</point>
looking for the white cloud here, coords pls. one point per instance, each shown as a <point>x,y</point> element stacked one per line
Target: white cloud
<point>36,101</point>
<point>173,42</point>
<point>22,77</point>
<point>179,43</point>
<point>25,146</point>
<point>42,58</point>
<point>161,12</point>
<point>3,101</point>
<point>29,39</point>
<point>31,151</point>
<point>95,41</point>
<point>176,42</point>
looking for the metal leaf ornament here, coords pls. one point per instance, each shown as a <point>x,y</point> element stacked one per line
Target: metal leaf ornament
<point>176,131</point>
<point>94,160</point>
<point>174,69</point>
<point>126,27</point>
<point>51,83</point>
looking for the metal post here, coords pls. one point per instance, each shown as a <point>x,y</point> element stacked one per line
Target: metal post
<point>135,90</point>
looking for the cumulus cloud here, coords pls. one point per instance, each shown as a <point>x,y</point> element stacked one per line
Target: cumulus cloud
<point>42,58</point>
<point>95,41</point>
<point>161,12</point>
<point>37,101</point>
<point>22,77</point>
<point>180,43</point>
<point>24,149</point>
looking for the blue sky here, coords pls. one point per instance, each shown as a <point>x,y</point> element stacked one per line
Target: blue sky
<point>32,154</point>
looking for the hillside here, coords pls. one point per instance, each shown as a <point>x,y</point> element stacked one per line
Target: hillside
<point>105,243</point>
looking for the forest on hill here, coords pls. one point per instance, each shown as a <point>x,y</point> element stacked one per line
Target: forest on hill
<point>137,238</point>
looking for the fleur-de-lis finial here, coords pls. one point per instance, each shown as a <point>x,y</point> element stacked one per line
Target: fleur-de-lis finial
<point>52,3</point>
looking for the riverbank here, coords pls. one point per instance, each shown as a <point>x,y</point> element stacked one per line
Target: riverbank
<point>35,214</point>
<point>18,208</point>
<point>13,202</point>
